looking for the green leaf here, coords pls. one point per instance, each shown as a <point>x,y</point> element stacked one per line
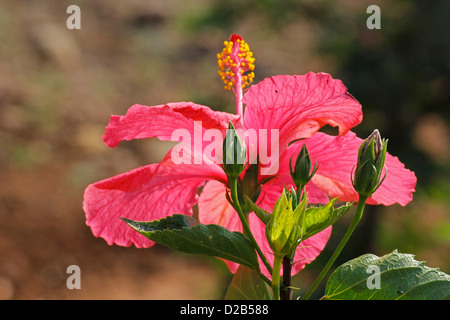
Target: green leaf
<point>247,285</point>
<point>400,277</point>
<point>183,233</point>
<point>318,218</point>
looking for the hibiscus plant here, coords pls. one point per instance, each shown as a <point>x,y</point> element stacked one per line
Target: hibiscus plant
<point>268,186</point>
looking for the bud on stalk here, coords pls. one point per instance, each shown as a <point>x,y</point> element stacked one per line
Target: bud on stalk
<point>370,164</point>
<point>301,174</point>
<point>234,153</point>
<point>284,232</point>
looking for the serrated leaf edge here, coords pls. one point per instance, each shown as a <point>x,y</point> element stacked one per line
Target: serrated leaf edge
<point>421,265</point>
<point>134,224</point>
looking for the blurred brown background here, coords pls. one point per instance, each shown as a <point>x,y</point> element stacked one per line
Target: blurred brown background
<point>58,88</point>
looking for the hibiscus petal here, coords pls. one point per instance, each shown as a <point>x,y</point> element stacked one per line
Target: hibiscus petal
<point>215,209</point>
<point>336,157</point>
<point>300,105</point>
<point>161,121</point>
<point>107,200</point>
<point>144,194</point>
<point>272,190</point>
<point>309,250</point>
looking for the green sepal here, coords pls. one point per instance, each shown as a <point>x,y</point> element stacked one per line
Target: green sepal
<point>317,219</point>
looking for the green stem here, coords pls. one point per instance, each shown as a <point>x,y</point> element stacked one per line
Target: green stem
<point>247,231</point>
<point>356,219</point>
<point>299,192</point>
<point>276,276</point>
<point>265,279</point>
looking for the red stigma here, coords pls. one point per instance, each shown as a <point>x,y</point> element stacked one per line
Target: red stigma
<point>235,37</point>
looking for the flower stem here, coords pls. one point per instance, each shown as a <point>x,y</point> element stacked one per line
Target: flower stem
<point>286,291</point>
<point>276,276</point>
<point>356,219</point>
<point>247,231</point>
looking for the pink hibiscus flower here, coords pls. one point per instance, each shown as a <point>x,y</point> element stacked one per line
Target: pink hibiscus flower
<point>296,107</point>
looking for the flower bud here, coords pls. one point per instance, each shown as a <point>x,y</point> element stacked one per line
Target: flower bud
<point>370,164</point>
<point>302,171</point>
<point>234,153</point>
<point>283,231</point>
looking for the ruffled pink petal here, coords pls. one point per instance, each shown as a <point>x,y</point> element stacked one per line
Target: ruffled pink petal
<point>120,196</point>
<point>144,194</point>
<point>300,105</point>
<point>215,209</point>
<point>310,249</point>
<point>161,121</point>
<point>336,157</point>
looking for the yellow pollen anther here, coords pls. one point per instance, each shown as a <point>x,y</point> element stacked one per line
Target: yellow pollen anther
<point>234,61</point>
